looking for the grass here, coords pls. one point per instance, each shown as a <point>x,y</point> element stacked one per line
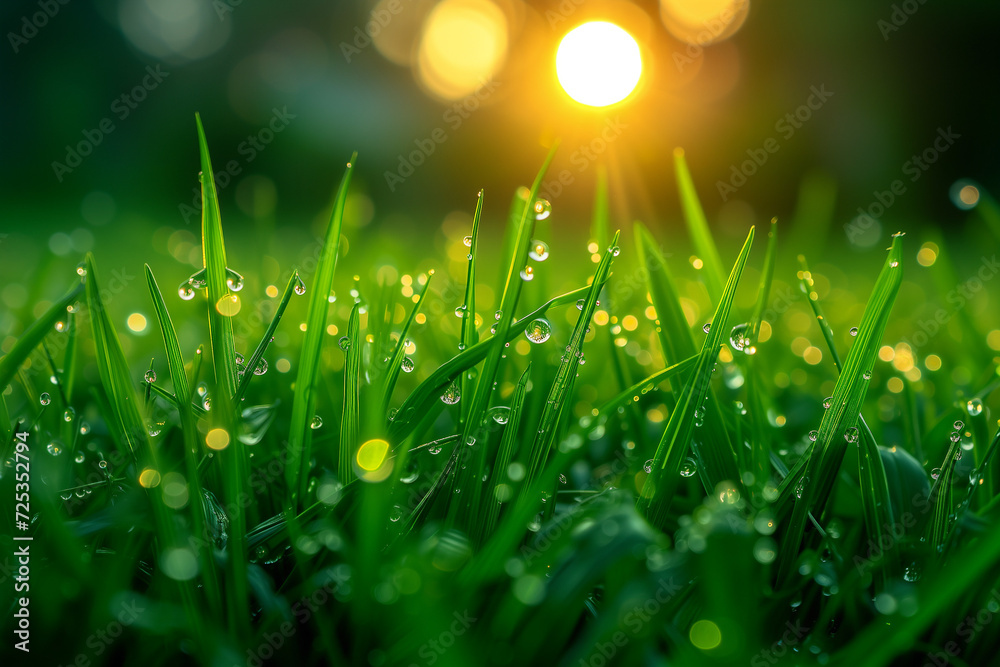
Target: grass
<point>647,468</point>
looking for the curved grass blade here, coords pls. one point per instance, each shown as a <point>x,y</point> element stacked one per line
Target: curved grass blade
<point>697,225</point>
<point>508,448</point>
<point>33,336</point>
<point>299,434</point>
<point>813,487</point>
<point>661,484</point>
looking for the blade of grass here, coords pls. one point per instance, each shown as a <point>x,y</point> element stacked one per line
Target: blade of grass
<point>813,488</point>
<point>697,225</point>
<point>299,434</point>
<point>258,353</point>
<point>469,335</point>
<point>399,352</point>
<point>661,484</point>
<point>505,454</point>
<point>34,334</point>
<point>178,376</point>
<point>350,424</point>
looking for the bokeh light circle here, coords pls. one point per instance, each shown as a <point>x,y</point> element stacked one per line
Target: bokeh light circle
<point>598,64</point>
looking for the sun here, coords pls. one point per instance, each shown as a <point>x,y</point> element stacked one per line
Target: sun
<point>598,64</point>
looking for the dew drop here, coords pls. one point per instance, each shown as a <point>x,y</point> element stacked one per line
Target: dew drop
<point>460,311</point>
<point>500,414</point>
<point>851,435</point>
<point>542,209</point>
<point>150,376</point>
<point>345,343</point>
<point>60,326</point>
<point>580,304</point>
<point>467,241</point>
<point>955,436</point>
<point>185,291</point>
<point>854,331</point>
<point>407,365</point>
<point>527,273</point>
<point>539,251</point>
<point>958,425</point>
<point>234,280</point>
<point>299,287</point>
<point>69,414</point>
<point>867,375</point>
<point>935,473</point>
<point>81,269</point>
<point>54,448</point>
<point>396,513</point>
<point>974,407</point>
<point>648,465</point>
<point>44,398</point>
<point>79,458</point>
<point>434,450</point>
<point>801,487</point>
<point>689,467</point>
<point>827,402</point>
<point>316,422</point>
<point>813,435</point>
<point>739,337</point>
<point>538,331</point>
<point>199,279</point>
<point>451,395</point>
<point>261,367</point>
<point>706,327</point>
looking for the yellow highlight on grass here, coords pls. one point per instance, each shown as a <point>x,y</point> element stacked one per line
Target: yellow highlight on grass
<point>598,64</point>
<point>371,455</point>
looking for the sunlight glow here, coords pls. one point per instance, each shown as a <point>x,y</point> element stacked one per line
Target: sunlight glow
<point>598,64</point>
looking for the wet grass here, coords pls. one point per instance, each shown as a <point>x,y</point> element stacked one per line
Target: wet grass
<point>647,467</point>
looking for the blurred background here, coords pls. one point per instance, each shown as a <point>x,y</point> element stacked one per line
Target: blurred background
<point>811,112</point>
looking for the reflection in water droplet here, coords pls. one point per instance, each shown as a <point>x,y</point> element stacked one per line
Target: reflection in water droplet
<point>316,422</point>
<point>538,331</point>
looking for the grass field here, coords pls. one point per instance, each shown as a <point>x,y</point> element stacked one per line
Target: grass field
<point>659,449</point>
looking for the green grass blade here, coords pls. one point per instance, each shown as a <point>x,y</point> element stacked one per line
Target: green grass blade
<point>469,334</point>
<point>701,235</point>
<point>399,352</point>
<point>350,424</point>
<point>505,454</point>
<point>34,334</point>
<point>116,378</point>
<point>178,376</point>
<point>674,332</point>
<point>258,353</point>
<point>661,483</point>
<point>299,434</point>
<point>812,490</point>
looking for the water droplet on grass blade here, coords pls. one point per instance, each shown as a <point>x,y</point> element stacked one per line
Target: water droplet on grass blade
<point>800,488</point>
<point>299,287</point>
<point>185,291</point>
<point>467,241</point>
<point>234,280</point>
<point>813,435</point>
<point>451,395</point>
<point>851,435</point>
<point>527,273</point>
<point>935,473</point>
<point>538,331</point>
<point>69,414</point>
<point>580,304</point>
<point>827,402</point>
<point>689,467</point>
<point>539,251</point>
<point>854,331</point>
<point>44,398</point>
<point>345,343</point>
<point>54,448</point>
<point>648,465</point>
<point>958,425</point>
<point>407,365</point>
<point>316,422</point>
<point>542,209</point>
<point>500,414</point>
<point>150,376</point>
<point>739,337</point>
<point>261,367</point>
<point>974,407</point>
